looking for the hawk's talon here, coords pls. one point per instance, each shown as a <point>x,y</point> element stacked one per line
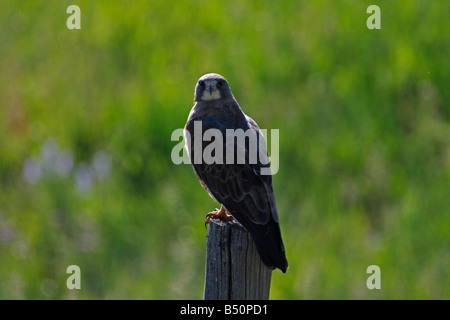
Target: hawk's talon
<point>220,214</point>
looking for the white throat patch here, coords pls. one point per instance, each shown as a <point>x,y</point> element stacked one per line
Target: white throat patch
<point>211,96</point>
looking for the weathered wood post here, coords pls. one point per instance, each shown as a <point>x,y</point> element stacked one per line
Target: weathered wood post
<point>234,269</point>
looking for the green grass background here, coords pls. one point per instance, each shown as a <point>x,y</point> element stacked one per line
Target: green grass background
<point>363,116</point>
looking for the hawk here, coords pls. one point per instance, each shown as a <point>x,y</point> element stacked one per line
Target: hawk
<point>243,192</point>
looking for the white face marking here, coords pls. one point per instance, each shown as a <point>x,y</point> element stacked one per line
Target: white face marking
<point>214,94</point>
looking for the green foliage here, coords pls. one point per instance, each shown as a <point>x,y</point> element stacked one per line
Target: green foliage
<point>86,118</point>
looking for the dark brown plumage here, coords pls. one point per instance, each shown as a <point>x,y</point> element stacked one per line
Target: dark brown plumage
<point>239,186</point>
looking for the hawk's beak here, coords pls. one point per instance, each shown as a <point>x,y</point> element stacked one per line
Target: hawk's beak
<point>210,88</point>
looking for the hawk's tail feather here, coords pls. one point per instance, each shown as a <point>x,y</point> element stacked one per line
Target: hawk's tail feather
<point>270,246</point>
<point>268,242</point>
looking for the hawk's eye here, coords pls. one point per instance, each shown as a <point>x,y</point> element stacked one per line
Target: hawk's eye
<point>219,84</point>
<point>201,83</point>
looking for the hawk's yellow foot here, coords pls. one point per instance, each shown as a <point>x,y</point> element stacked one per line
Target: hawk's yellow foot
<point>221,214</point>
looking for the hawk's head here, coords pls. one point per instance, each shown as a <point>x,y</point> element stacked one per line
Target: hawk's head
<point>212,86</point>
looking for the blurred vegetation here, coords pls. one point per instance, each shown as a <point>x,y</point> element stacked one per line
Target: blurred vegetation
<point>86,176</point>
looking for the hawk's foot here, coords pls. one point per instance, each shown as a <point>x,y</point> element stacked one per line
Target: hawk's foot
<point>221,214</point>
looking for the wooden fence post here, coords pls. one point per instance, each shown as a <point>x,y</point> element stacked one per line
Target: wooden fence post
<point>234,270</point>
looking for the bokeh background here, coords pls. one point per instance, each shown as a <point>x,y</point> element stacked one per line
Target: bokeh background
<point>86,176</point>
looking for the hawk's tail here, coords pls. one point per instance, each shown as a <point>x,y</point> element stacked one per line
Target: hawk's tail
<point>270,245</point>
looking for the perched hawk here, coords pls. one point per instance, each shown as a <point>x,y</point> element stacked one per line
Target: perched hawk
<point>237,183</point>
